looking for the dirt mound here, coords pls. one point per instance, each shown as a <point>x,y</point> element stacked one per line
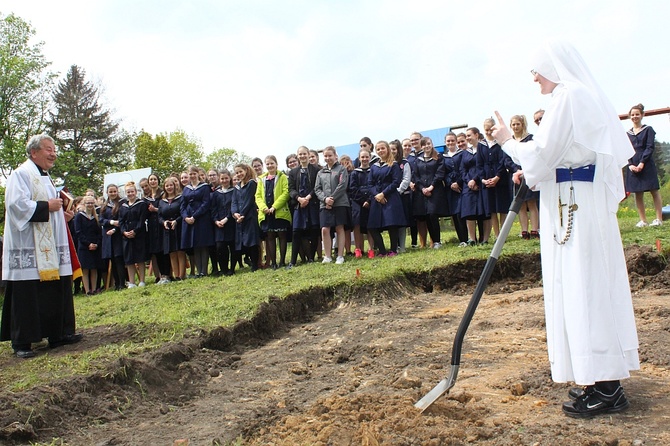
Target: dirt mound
<point>328,367</point>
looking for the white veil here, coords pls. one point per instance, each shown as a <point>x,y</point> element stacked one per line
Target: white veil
<point>597,125</point>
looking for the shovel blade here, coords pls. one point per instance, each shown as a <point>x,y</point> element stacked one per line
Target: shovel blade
<point>428,399</point>
<point>440,389</point>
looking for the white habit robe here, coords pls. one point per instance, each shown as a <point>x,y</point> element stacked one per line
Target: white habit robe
<point>19,261</point>
<point>591,334</point>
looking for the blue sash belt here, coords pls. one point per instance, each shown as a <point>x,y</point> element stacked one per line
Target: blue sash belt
<point>584,173</point>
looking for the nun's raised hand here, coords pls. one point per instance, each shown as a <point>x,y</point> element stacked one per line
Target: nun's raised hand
<point>500,131</point>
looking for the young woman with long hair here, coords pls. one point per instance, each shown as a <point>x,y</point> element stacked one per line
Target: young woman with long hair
<point>112,239</point>
<point>274,216</point>
<point>184,181</point>
<point>641,173</point>
<point>197,231</point>
<point>160,262</point>
<point>359,195</point>
<point>386,212</point>
<point>89,244</point>
<point>529,208</point>
<point>301,181</point>
<point>429,200</point>
<point>133,215</point>
<point>169,217</point>
<point>331,189</point>
<point>224,223</point>
<point>454,185</point>
<point>245,213</point>
<point>345,161</point>
<point>474,206</point>
<point>495,178</point>
<point>404,190</point>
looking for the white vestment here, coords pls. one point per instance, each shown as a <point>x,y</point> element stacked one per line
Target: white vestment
<point>19,259</point>
<point>591,334</point>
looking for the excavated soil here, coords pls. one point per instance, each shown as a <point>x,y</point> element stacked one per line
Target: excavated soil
<point>315,369</point>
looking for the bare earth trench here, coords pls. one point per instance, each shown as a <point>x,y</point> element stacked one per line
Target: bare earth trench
<point>349,372</point>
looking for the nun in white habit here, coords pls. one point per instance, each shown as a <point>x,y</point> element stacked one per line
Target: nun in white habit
<point>575,159</point>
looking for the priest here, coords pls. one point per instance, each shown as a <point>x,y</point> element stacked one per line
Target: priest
<point>37,264</point>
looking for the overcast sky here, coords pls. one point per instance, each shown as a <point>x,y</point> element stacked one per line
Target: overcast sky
<point>264,77</point>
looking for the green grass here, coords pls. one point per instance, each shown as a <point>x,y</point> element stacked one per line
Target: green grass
<point>157,314</point>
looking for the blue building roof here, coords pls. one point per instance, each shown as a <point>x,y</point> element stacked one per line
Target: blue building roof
<point>437,135</point>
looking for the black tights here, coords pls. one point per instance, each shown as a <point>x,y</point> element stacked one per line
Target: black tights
<point>461,227</point>
<point>224,253</point>
<point>164,265</point>
<point>305,241</point>
<point>215,259</point>
<point>252,252</point>
<point>433,225</point>
<point>379,241</point>
<point>271,247</point>
<point>119,272</point>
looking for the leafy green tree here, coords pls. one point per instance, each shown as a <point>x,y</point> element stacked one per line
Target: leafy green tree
<point>25,85</point>
<point>167,153</point>
<point>187,150</point>
<point>225,158</point>
<point>156,153</point>
<point>90,142</point>
<point>662,160</point>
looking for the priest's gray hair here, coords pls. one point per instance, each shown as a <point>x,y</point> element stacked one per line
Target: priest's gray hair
<point>35,143</point>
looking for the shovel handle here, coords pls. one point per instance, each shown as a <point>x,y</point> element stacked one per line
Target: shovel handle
<point>486,274</point>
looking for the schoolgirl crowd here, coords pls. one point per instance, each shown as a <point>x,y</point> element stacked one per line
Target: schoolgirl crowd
<point>250,215</point>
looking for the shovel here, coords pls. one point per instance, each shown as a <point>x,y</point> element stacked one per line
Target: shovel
<point>443,386</point>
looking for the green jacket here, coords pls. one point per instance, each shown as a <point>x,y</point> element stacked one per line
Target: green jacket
<point>281,197</point>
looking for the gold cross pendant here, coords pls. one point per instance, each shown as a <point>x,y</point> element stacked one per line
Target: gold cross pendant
<point>560,210</point>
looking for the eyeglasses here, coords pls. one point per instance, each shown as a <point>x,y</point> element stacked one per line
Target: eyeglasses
<point>414,140</point>
<point>533,72</point>
<point>538,120</point>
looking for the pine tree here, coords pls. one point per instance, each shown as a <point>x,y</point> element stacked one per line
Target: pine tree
<point>89,141</point>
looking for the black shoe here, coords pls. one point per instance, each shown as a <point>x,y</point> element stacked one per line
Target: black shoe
<point>24,354</point>
<point>275,267</point>
<point>66,340</point>
<point>289,266</point>
<point>593,402</point>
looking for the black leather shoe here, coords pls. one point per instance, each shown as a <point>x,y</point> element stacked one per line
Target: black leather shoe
<point>593,402</point>
<point>66,340</point>
<point>24,354</point>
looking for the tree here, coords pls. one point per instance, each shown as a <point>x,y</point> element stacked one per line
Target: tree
<point>662,159</point>
<point>187,150</point>
<point>167,153</point>
<point>155,153</point>
<point>25,85</point>
<point>225,159</point>
<point>90,142</point>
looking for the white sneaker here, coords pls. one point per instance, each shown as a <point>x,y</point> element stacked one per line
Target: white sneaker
<point>656,222</point>
<point>641,224</point>
<point>339,260</point>
<point>142,284</point>
<point>132,285</point>
<point>163,281</point>
<point>437,245</point>
<point>327,259</point>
